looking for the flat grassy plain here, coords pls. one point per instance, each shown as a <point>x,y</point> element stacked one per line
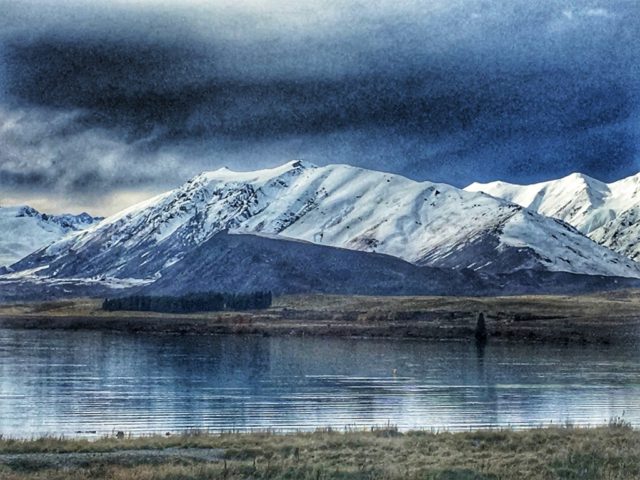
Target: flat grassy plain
<point>602,318</point>
<point>611,452</point>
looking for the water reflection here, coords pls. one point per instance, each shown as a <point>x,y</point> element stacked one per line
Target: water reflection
<point>64,382</point>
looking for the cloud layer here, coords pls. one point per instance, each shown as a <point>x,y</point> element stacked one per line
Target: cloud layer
<point>136,96</point>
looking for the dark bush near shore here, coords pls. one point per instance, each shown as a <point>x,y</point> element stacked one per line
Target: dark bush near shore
<point>194,302</point>
<point>481,329</point>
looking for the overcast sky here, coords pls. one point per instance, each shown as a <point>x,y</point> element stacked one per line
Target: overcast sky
<point>105,103</point>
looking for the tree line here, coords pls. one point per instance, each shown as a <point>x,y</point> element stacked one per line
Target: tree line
<point>193,302</point>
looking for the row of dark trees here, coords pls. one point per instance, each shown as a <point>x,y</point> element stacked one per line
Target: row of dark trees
<point>193,302</point>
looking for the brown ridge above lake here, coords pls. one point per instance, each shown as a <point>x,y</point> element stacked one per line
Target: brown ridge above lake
<point>600,318</point>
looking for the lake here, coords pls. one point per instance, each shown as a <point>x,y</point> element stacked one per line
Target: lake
<point>76,383</point>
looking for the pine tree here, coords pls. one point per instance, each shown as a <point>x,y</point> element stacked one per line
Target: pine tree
<point>481,329</point>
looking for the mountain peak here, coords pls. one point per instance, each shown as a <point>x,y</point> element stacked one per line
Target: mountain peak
<point>25,230</point>
<point>226,174</point>
<point>581,178</point>
<point>299,164</point>
<point>18,210</point>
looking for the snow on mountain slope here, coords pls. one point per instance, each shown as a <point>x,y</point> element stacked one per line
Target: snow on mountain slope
<point>607,213</point>
<point>337,205</point>
<point>25,230</point>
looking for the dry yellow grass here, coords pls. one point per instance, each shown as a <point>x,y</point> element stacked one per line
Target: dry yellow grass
<point>549,453</point>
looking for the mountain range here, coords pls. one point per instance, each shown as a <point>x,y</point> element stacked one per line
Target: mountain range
<point>24,230</point>
<point>606,212</point>
<point>337,228</point>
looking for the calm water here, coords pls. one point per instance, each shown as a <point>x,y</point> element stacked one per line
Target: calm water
<point>58,382</point>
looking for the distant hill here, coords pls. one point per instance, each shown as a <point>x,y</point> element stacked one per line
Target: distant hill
<point>25,230</point>
<point>245,263</point>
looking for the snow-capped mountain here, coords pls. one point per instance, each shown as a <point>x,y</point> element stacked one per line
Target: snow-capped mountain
<point>607,213</point>
<point>337,205</point>
<point>25,230</point>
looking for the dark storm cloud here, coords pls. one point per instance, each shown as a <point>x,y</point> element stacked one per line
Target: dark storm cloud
<point>139,94</point>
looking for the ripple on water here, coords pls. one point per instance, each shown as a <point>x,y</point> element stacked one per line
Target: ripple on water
<point>65,382</point>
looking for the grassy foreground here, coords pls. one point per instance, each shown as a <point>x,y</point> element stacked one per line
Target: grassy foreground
<point>611,452</point>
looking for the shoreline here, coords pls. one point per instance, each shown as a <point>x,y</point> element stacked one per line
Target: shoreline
<point>575,334</point>
<point>590,319</point>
